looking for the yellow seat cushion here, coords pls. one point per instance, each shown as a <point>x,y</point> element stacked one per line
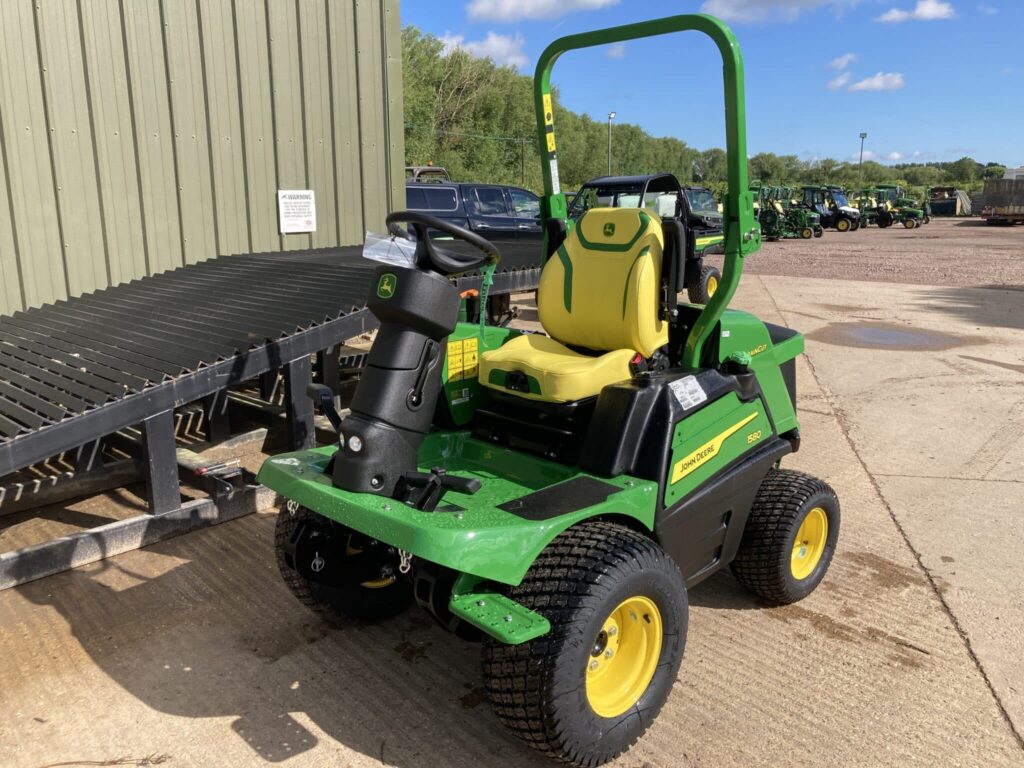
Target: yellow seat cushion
<point>598,292</point>
<point>552,371</point>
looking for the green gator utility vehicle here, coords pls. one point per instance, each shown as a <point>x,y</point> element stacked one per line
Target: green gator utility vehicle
<point>696,207</point>
<point>555,495</point>
<point>831,205</point>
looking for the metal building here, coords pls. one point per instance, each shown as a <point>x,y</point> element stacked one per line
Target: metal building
<point>137,136</point>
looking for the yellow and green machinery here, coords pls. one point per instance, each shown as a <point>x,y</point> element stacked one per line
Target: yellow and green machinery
<point>781,217</point>
<point>555,495</point>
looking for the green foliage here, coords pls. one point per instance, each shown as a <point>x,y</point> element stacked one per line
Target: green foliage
<point>476,119</point>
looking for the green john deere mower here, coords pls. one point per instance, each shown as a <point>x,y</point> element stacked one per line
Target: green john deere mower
<point>555,495</point>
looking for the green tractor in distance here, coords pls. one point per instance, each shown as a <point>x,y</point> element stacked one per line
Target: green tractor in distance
<point>890,205</point>
<point>781,218</point>
<point>903,202</point>
<point>555,495</point>
<point>831,205</point>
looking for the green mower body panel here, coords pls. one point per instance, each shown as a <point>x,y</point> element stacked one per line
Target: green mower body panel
<point>494,534</point>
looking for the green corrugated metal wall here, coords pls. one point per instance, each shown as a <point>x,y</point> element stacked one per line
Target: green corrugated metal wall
<point>140,135</point>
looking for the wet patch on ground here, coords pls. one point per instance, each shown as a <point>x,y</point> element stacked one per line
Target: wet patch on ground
<point>904,653</point>
<point>883,573</point>
<point>890,336</point>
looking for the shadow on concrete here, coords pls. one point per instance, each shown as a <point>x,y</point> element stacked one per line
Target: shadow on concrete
<point>202,627</point>
<point>722,592</point>
<point>993,306</point>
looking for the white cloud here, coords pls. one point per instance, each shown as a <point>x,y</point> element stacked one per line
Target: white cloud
<point>988,10</point>
<point>504,50</point>
<point>838,82</point>
<point>517,10</point>
<point>883,81</point>
<point>616,51</point>
<point>755,11</point>
<point>925,10</point>
<point>895,156</point>
<point>843,62</point>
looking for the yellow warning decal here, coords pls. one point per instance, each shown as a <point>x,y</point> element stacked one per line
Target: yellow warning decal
<point>549,115</point>
<point>707,240</point>
<point>462,359</point>
<point>551,141</point>
<point>708,451</point>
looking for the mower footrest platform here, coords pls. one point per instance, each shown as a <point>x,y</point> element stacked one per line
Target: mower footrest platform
<point>500,617</point>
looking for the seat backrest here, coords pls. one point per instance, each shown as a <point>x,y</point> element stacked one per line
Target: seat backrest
<point>601,289</point>
<point>665,205</point>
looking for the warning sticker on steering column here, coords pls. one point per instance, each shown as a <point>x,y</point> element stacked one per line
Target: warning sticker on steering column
<point>688,391</point>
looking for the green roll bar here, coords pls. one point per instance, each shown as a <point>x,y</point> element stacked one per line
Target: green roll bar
<point>742,235</point>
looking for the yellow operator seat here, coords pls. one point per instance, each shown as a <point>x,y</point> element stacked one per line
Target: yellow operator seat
<point>598,301</point>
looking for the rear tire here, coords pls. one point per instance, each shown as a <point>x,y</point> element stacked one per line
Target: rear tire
<point>369,601</point>
<point>790,537</point>
<point>707,284</point>
<point>591,578</point>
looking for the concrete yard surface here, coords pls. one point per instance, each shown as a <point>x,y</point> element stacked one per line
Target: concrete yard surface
<point>192,652</point>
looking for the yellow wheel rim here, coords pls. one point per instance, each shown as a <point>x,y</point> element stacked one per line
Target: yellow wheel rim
<point>376,583</point>
<point>624,657</point>
<point>809,544</point>
<point>842,225</point>
<point>712,285</point>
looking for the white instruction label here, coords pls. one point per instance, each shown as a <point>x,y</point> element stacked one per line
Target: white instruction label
<point>688,391</point>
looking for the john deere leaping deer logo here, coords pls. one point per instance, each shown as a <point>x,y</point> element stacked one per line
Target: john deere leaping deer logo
<point>386,285</point>
<point>609,229</point>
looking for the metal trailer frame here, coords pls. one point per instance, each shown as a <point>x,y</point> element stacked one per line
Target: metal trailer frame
<point>74,373</point>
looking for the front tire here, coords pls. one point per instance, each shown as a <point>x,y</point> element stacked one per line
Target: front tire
<point>790,537</point>
<point>843,224</point>
<point>707,284</point>
<point>371,600</point>
<point>806,233</point>
<point>910,223</point>
<point>586,691</point>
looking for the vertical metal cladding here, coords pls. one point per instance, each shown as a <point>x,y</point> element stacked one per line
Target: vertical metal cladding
<point>138,136</point>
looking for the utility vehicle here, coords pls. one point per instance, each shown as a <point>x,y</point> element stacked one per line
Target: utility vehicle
<point>831,205</point>
<point>662,193</point>
<point>555,495</point>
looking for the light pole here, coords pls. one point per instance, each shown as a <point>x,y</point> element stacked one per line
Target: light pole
<point>611,116</point>
<point>860,177</point>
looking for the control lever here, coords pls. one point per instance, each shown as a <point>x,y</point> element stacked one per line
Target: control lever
<point>323,397</point>
<point>432,486</point>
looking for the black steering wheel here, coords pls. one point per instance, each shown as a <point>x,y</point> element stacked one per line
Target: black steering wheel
<point>427,256</point>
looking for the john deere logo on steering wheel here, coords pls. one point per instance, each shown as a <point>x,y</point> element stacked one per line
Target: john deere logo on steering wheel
<point>609,229</point>
<point>386,285</point>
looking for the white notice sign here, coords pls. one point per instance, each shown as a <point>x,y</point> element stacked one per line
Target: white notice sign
<point>296,210</point>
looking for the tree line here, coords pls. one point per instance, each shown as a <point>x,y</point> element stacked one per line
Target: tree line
<point>476,119</point>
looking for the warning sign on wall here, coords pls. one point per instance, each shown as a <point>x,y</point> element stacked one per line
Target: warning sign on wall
<point>296,210</point>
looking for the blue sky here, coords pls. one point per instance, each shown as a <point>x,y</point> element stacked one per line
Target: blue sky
<point>926,79</point>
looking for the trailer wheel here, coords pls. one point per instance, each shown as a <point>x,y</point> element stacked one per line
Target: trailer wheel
<point>338,604</point>
<point>707,284</point>
<point>789,538</point>
<point>586,691</point>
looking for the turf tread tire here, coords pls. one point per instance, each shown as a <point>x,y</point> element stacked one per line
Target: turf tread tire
<point>529,686</point>
<point>698,292</point>
<point>323,601</point>
<point>762,563</point>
